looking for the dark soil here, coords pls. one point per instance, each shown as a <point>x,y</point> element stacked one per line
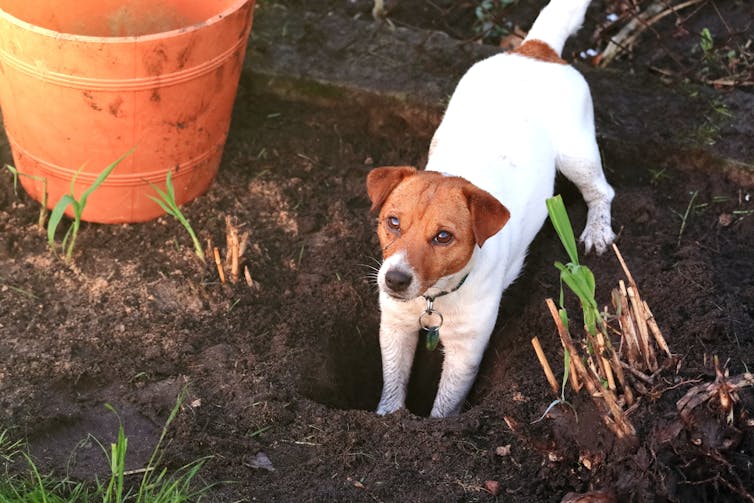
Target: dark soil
<point>291,368</point>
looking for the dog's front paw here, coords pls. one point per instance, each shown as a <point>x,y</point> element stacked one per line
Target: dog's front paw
<point>597,237</point>
<point>598,233</point>
<point>388,407</point>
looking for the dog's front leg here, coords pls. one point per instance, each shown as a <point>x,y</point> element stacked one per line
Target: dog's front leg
<point>463,353</point>
<point>398,345</point>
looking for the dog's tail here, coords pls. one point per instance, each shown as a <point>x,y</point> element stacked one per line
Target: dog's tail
<point>558,20</point>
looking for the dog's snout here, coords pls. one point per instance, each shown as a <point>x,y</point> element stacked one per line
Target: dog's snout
<point>397,280</point>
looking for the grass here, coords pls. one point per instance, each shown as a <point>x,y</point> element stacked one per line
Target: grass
<point>167,202</point>
<point>43,208</point>
<point>78,206</point>
<point>156,485</point>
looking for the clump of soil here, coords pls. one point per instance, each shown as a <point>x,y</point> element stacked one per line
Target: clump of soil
<point>289,370</point>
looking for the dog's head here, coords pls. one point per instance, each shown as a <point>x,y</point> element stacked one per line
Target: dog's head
<point>429,226</point>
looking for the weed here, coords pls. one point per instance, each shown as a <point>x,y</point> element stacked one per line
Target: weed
<point>78,206</point>
<point>724,63</point>
<point>157,485</point>
<point>43,208</point>
<point>168,204</point>
<point>490,20</point>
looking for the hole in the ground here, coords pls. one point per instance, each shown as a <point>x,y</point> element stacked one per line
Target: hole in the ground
<point>347,372</point>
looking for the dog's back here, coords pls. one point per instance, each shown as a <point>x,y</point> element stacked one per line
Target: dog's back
<point>511,114</point>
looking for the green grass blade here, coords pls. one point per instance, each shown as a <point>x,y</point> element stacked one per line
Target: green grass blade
<point>101,178</point>
<point>13,171</point>
<point>56,216</point>
<point>164,205</point>
<point>562,224</point>
<point>169,185</point>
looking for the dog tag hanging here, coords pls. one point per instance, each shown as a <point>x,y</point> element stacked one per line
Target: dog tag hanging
<point>431,321</point>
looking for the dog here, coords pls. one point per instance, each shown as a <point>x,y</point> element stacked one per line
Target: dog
<point>455,235</point>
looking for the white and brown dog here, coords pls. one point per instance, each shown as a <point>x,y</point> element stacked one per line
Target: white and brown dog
<point>455,236</point>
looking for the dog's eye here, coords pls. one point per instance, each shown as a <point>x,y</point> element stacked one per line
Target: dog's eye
<point>393,223</point>
<point>443,238</point>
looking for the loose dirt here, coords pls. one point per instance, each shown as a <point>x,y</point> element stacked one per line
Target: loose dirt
<point>290,368</point>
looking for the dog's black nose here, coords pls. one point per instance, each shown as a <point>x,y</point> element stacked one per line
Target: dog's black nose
<point>397,280</point>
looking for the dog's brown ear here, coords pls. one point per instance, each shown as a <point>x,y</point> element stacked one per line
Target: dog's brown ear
<point>382,181</point>
<point>488,215</point>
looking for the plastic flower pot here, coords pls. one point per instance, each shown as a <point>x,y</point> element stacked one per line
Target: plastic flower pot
<point>84,81</point>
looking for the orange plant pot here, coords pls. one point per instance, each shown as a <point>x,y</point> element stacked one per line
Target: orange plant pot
<point>84,81</point>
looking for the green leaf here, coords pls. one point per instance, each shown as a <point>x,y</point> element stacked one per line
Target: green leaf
<point>562,224</point>
<point>101,178</point>
<point>56,215</point>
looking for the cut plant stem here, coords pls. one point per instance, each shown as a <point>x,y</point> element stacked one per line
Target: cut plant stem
<point>247,275</point>
<point>545,366</point>
<point>685,217</point>
<point>604,399</point>
<point>652,323</point>
<point>219,263</point>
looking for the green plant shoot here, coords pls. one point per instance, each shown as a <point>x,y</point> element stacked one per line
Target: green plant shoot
<point>78,206</point>
<point>43,208</point>
<point>577,277</point>
<point>168,204</point>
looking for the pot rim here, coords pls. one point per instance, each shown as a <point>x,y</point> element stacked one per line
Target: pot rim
<point>231,9</point>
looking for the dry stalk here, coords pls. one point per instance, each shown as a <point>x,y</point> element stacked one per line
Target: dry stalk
<point>545,366</point>
<point>630,33</point>
<point>247,276</point>
<point>602,350</point>
<point>604,399</point>
<point>633,350</point>
<point>640,321</point>
<point>219,264</point>
<point>703,392</point>
<point>652,323</point>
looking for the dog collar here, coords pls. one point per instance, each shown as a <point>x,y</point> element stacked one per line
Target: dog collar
<point>431,319</point>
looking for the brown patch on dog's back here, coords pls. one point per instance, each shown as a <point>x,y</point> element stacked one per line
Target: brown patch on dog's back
<point>536,49</point>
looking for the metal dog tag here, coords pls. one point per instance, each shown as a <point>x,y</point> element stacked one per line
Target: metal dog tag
<point>431,321</point>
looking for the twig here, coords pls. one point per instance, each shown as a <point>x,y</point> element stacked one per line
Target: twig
<point>608,405</point>
<point>641,323</point>
<point>652,323</point>
<point>219,264</point>
<point>605,362</point>
<point>685,217</point>
<point>247,275</point>
<point>631,32</point>
<point>545,365</point>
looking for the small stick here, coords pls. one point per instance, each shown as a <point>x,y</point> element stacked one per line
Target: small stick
<point>616,365</point>
<point>605,363</point>
<point>545,365</point>
<point>655,329</point>
<point>641,323</point>
<point>641,376</point>
<point>247,275</point>
<point>618,423</point>
<point>575,384</point>
<point>234,260</point>
<point>219,264</point>
<point>627,327</point>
